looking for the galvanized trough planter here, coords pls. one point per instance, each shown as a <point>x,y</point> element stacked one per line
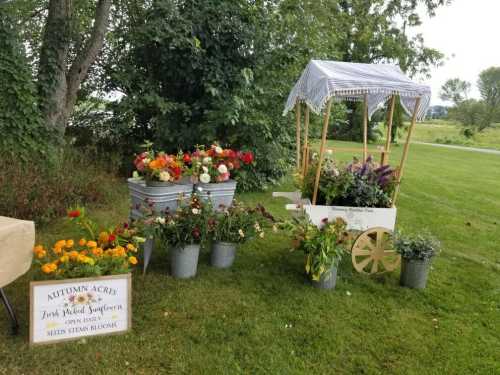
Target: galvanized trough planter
<point>220,194</point>
<point>160,197</point>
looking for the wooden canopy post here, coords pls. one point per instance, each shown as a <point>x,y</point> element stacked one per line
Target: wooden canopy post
<point>297,120</point>
<point>405,151</point>
<point>385,154</point>
<point>305,159</point>
<point>322,149</point>
<point>365,128</point>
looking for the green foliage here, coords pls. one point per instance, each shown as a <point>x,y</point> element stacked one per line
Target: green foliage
<point>489,86</point>
<point>323,247</point>
<point>35,190</point>
<point>474,115</point>
<point>237,224</point>
<point>416,247</point>
<point>21,127</point>
<point>455,90</point>
<point>186,226</point>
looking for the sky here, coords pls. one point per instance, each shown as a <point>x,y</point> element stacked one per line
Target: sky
<point>468,33</point>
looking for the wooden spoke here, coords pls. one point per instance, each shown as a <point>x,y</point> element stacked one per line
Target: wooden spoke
<point>372,252</point>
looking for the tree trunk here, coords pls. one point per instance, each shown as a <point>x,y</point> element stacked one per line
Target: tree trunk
<point>58,81</point>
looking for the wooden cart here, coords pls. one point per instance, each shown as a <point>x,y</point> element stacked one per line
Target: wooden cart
<point>325,81</point>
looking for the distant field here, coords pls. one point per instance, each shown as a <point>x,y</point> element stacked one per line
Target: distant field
<point>442,131</point>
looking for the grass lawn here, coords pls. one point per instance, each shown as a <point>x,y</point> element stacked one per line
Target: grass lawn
<point>261,316</point>
<point>442,131</point>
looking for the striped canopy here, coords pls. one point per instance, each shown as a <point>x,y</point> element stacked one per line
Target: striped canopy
<point>322,80</point>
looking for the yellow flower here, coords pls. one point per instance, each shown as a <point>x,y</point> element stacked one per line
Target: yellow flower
<point>64,259</point>
<point>60,243</point>
<point>132,260</point>
<point>49,268</point>
<point>38,248</point>
<point>40,254</point>
<point>57,250</point>
<point>81,258</point>
<point>91,244</point>
<point>131,247</point>
<point>103,237</point>
<point>82,242</point>
<point>97,251</point>
<point>70,244</point>
<point>73,255</point>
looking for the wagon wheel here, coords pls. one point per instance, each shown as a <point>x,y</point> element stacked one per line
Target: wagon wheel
<point>372,252</point>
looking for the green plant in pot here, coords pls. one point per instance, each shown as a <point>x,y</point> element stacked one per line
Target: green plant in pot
<point>184,230</point>
<point>323,248</point>
<point>416,252</point>
<point>232,226</point>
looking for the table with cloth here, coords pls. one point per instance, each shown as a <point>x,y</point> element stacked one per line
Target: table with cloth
<point>17,238</point>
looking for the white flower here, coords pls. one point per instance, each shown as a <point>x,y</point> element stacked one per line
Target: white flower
<point>146,161</point>
<point>135,175</point>
<point>164,176</point>
<point>336,172</point>
<point>222,169</point>
<point>205,178</point>
<point>195,211</point>
<point>205,169</point>
<point>207,160</point>
<point>218,150</point>
<point>240,232</point>
<point>261,234</point>
<point>160,220</point>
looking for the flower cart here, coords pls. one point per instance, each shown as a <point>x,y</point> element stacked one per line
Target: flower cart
<point>323,82</point>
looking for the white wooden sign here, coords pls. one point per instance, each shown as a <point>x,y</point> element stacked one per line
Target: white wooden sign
<point>357,218</point>
<point>71,309</point>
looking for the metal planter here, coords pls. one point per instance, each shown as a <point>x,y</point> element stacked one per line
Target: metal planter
<point>414,273</point>
<point>220,194</point>
<point>184,261</point>
<point>161,197</point>
<point>328,279</point>
<point>223,254</point>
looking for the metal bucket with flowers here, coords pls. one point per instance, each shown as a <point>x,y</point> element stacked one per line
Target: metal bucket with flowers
<point>211,171</point>
<point>158,182</point>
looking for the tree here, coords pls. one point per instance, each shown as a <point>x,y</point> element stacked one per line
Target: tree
<point>21,129</point>
<point>65,58</point>
<point>455,90</point>
<point>489,86</point>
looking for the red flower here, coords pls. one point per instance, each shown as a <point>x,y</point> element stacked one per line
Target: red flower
<point>74,213</point>
<point>111,238</point>
<point>247,157</point>
<point>187,158</point>
<point>231,154</point>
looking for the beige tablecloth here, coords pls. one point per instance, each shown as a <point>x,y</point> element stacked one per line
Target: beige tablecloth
<point>17,238</point>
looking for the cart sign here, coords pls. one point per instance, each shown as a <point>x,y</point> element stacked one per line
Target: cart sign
<point>357,218</point>
<point>75,308</point>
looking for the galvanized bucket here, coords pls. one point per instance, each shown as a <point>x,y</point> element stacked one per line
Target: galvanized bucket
<point>160,197</point>
<point>220,194</point>
<point>414,273</point>
<point>327,280</point>
<point>184,261</point>
<point>223,254</point>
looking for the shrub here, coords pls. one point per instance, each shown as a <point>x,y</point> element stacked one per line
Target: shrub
<point>39,191</point>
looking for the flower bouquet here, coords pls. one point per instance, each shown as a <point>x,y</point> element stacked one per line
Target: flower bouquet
<point>211,169</point>
<point>323,248</point>
<point>232,226</point>
<point>158,168</point>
